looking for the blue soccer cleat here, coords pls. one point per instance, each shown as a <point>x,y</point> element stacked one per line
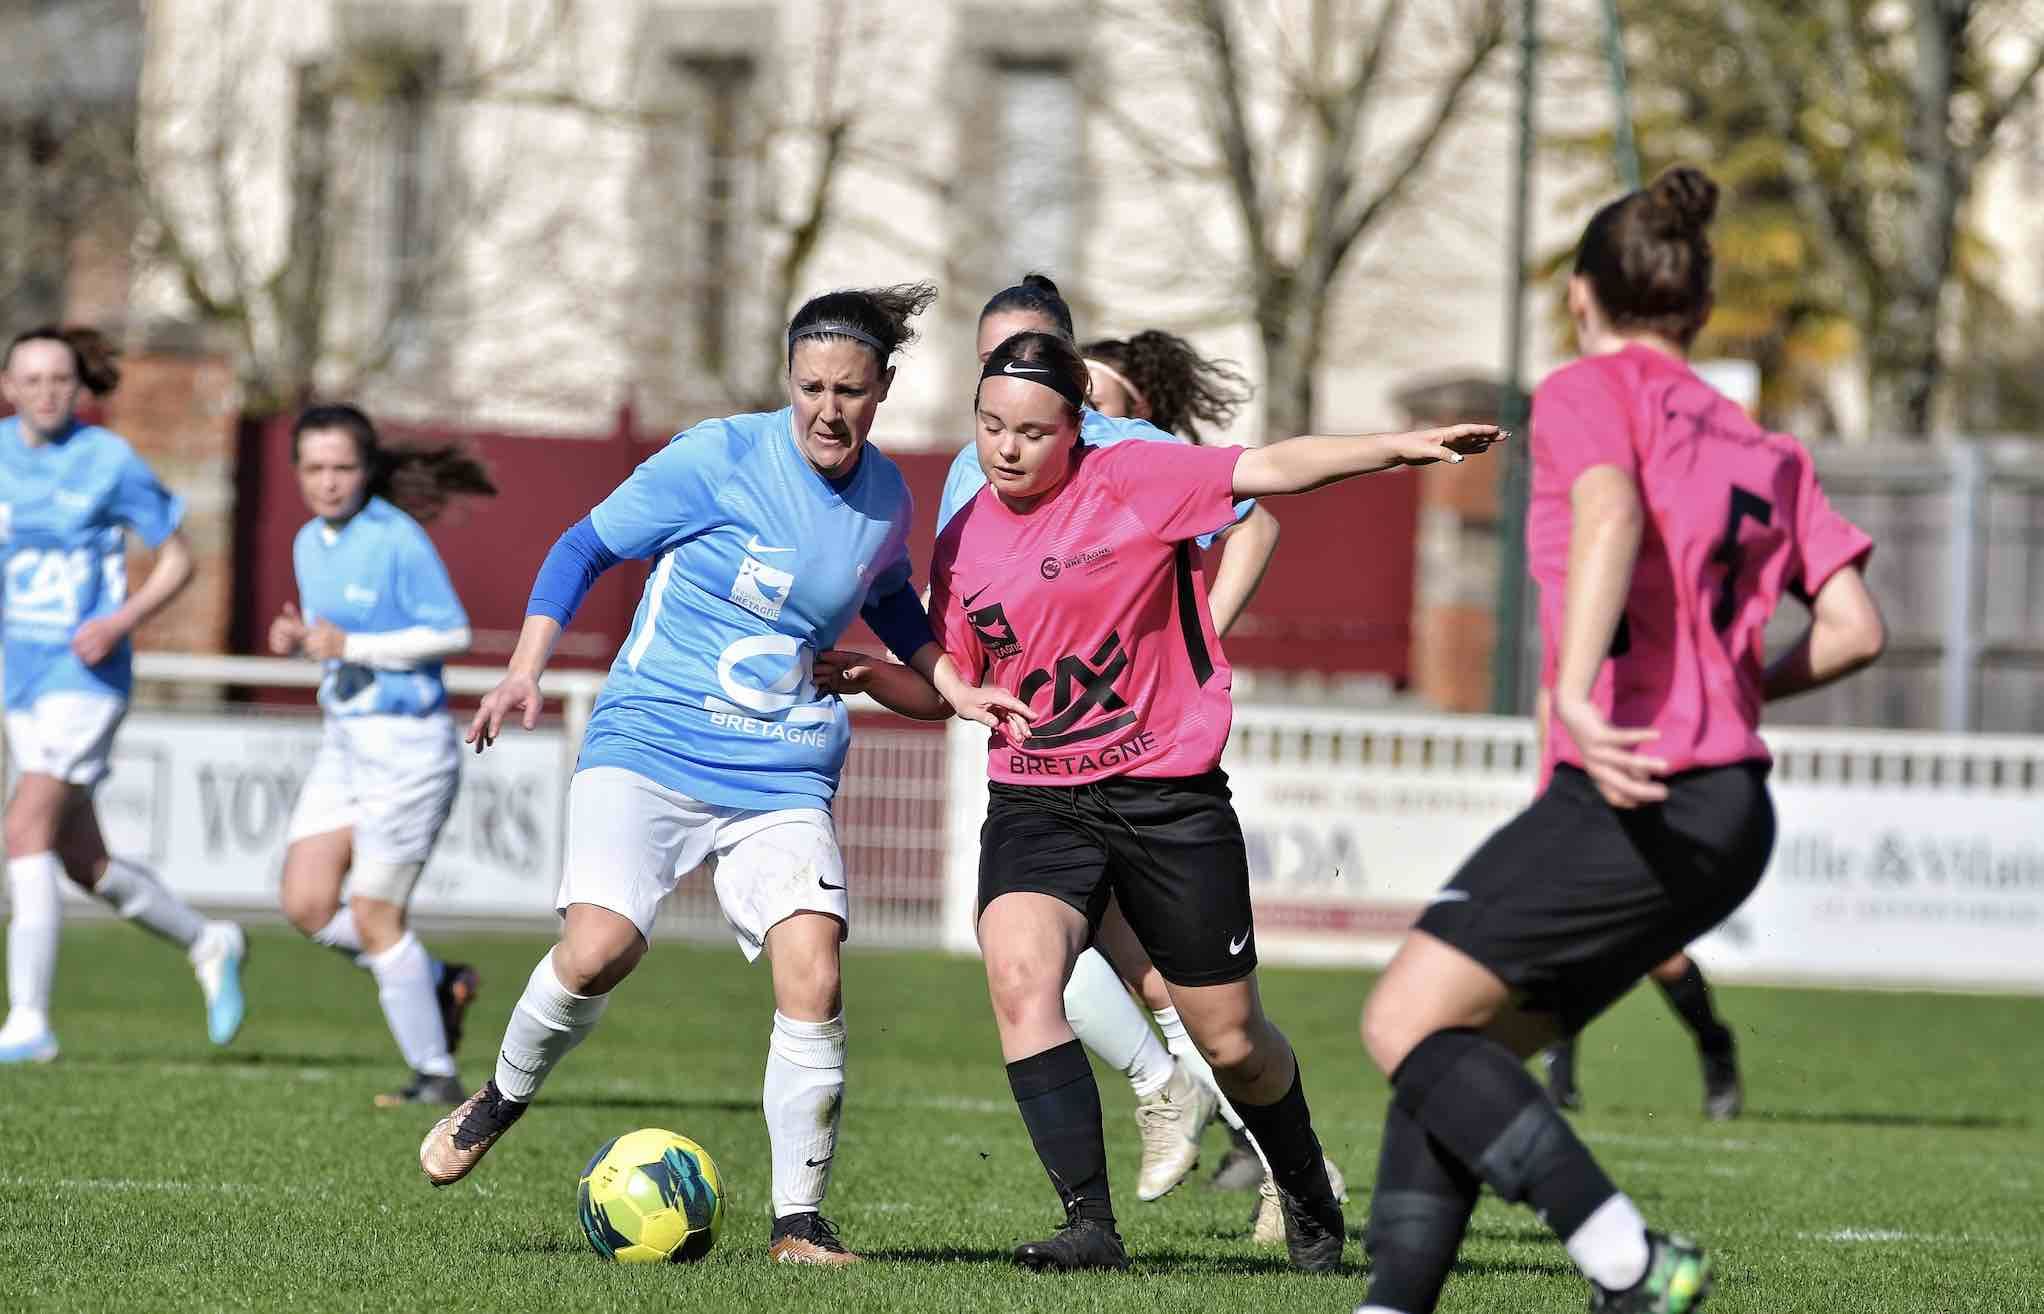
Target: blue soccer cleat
<point>41,1048</point>
<point>217,959</point>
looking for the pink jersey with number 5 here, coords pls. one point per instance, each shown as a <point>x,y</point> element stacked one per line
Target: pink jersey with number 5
<point>1734,520</point>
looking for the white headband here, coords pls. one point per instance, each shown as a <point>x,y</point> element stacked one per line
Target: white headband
<point>1135,393</point>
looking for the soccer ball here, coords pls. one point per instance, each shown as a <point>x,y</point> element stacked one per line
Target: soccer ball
<point>651,1196</point>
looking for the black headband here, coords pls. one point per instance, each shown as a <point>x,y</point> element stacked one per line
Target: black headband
<point>838,329</point>
<point>1033,371</point>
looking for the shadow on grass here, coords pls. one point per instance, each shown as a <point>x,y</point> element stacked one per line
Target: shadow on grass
<point>1849,1118</point>
<point>231,1059</point>
<point>1144,1260</point>
<point>648,1104</point>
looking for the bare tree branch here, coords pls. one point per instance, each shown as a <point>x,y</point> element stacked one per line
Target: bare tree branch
<point>1233,127</point>
<point>2012,101</point>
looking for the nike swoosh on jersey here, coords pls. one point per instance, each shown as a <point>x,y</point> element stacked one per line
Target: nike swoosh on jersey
<point>1235,946</point>
<point>971,598</point>
<point>827,885</point>
<point>756,547</point>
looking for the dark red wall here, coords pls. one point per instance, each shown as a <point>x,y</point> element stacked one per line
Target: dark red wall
<point>1338,596</point>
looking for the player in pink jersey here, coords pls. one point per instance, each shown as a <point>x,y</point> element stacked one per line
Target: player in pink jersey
<point>1664,528</point>
<point>1070,579</point>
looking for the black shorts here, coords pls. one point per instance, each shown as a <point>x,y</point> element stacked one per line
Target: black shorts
<point>1169,850</point>
<point>1573,900</point>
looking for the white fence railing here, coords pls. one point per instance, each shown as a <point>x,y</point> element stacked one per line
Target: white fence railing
<point>1903,858</point>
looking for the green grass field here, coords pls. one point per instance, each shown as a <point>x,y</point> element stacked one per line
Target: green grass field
<point>1891,1159</point>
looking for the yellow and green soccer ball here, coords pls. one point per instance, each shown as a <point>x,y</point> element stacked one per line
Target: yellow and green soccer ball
<point>650,1197</point>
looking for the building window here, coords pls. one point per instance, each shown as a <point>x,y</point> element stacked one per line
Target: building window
<point>717,190</point>
<point>1036,160</point>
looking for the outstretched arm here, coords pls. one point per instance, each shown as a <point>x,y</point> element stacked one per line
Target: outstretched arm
<point>1299,465</point>
<point>575,562</point>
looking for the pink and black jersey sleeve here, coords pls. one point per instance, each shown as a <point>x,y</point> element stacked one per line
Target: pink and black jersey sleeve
<point>1177,491</point>
<point>947,613</point>
<point>1826,542</point>
<point>1580,421</point>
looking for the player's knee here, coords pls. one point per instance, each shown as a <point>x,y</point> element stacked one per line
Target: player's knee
<point>1022,989</point>
<point>308,910</point>
<point>1389,1032</point>
<point>594,966</point>
<point>30,827</point>
<point>1232,1049</point>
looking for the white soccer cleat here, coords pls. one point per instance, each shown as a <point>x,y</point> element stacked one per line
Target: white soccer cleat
<point>40,1047</point>
<point>1171,1120</point>
<point>1268,1223</point>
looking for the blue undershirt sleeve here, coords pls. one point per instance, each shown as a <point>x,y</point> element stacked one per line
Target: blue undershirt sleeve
<point>577,558</point>
<point>900,621</point>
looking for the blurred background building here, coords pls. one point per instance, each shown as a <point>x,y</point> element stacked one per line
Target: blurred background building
<point>565,230</point>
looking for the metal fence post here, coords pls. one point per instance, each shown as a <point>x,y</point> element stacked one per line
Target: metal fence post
<point>1965,526</point>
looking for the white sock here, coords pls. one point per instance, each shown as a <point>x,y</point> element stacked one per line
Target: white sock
<point>1611,1245</point>
<point>803,1099</point>
<point>341,935</point>
<point>404,985</point>
<point>549,1021</point>
<point>1103,1016</point>
<point>136,894</point>
<point>1187,1053</point>
<point>34,916</point>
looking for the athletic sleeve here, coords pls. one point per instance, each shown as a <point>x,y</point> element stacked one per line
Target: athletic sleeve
<point>954,631</point>
<point>671,496</point>
<point>572,565</point>
<point>142,503</point>
<point>1176,490</point>
<point>1826,542</point>
<point>962,483</point>
<point>425,594</point>
<point>1579,423</point>
<point>892,608</point>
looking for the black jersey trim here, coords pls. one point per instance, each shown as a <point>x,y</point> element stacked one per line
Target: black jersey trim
<point>1188,617</point>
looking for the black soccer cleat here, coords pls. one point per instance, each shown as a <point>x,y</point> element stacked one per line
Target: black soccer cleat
<point>425,1089</point>
<point>807,1238</point>
<point>1240,1169</point>
<point>1081,1243</point>
<point>1314,1232</point>
<point>1724,1098</point>
<point>458,987</point>
<point>1677,1281</point>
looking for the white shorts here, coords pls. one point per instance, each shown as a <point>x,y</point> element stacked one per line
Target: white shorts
<point>389,779</point>
<point>632,842</point>
<point>66,735</point>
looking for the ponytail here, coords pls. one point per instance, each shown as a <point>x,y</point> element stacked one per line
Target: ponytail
<point>419,480</point>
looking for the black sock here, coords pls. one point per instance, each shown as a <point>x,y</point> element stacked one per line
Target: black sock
<point>1284,1131</point>
<point>1561,1062</point>
<point>1485,1109</point>
<point>1419,1211</point>
<point>1689,995</point>
<point>1060,1106</point>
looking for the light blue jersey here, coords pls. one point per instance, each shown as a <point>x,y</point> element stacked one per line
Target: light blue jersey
<point>64,507</point>
<point>760,563</point>
<point>376,574</point>
<point>964,479</point>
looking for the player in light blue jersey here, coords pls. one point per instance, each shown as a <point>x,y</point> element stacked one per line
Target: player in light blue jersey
<point>69,492</point>
<point>711,744</point>
<point>375,605</point>
<point>1152,387</point>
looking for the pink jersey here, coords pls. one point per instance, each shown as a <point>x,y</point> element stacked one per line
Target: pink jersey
<point>1091,607</point>
<point>1734,519</point>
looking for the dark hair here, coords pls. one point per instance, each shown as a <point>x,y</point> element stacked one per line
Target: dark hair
<point>877,317</point>
<point>1648,259</point>
<point>1177,383</point>
<point>1035,294</point>
<point>1052,351</point>
<point>91,355</point>
<point>420,480</point>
